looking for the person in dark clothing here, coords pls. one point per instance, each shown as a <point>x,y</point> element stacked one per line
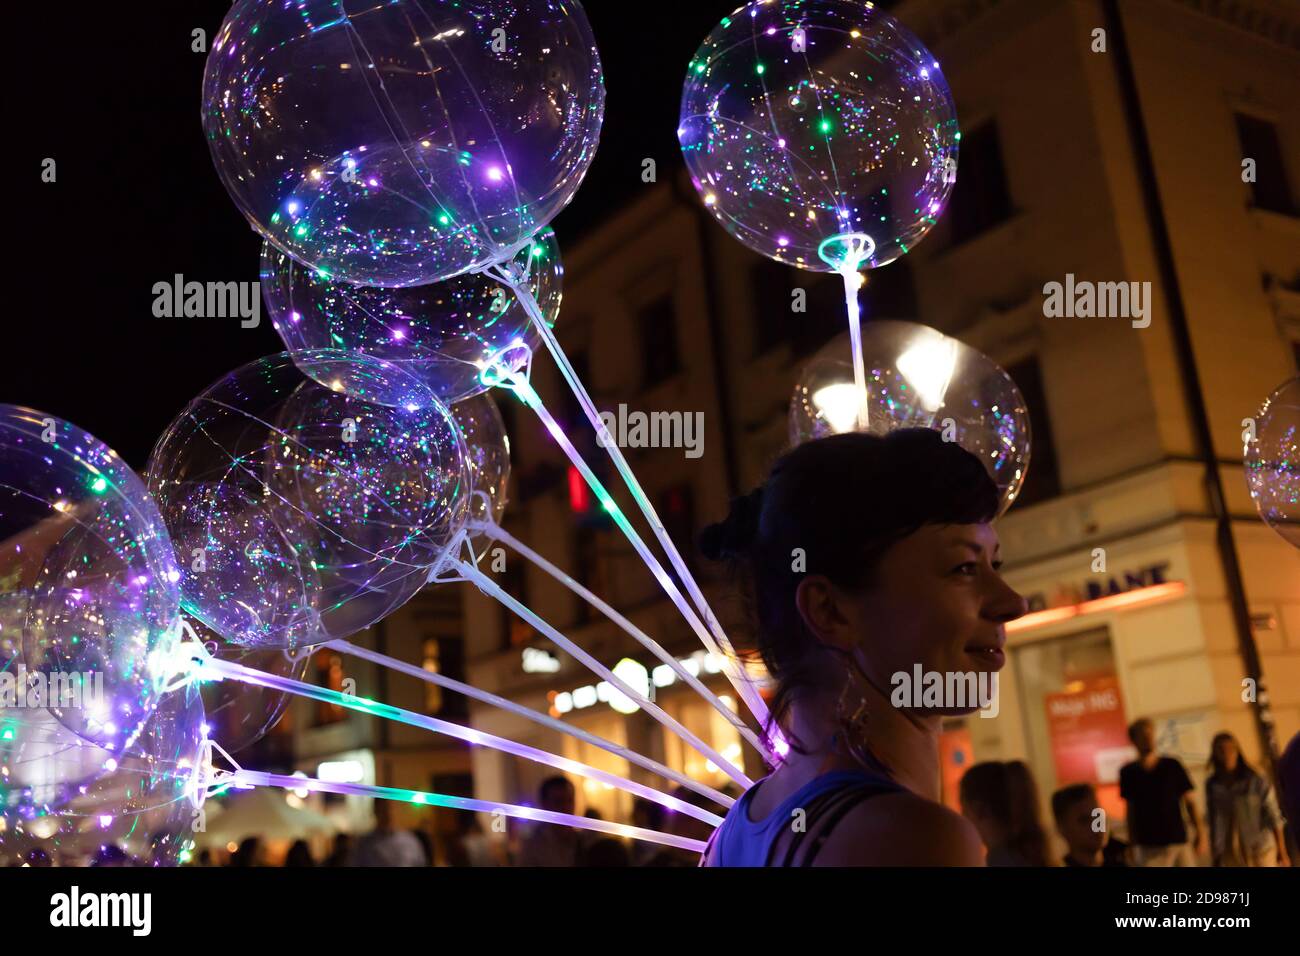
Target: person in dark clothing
<point>1157,791</point>
<point>299,855</point>
<point>1084,829</point>
<point>1001,800</point>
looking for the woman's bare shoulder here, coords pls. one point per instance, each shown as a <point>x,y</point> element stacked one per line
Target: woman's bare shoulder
<point>902,829</point>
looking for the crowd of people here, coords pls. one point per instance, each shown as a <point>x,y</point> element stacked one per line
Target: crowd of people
<point>1243,825</point>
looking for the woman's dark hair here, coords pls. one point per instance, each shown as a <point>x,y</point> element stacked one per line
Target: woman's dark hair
<point>1007,793</point>
<point>833,507</point>
<point>1217,769</point>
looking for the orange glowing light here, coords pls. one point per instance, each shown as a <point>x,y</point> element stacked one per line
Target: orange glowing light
<point>1112,602</point>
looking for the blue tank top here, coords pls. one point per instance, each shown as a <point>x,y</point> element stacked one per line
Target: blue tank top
<point>741,841</point>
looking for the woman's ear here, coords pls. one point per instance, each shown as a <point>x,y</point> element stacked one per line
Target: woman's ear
<point>821,607</point>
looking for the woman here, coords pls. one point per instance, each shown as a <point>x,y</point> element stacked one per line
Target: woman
<point>864,556</point>
<point>1001,800</point>
<point>1245,822</point>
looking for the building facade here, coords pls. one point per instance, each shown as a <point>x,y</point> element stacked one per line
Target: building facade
<point>1126,167</point>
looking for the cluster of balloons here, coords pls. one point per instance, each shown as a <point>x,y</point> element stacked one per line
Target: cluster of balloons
<point>389,154</point>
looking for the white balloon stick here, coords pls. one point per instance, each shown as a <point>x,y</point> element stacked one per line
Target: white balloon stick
<point>497,533</point>
<point>546,720</point>
<point>713,637</point>
<point>206,667</point>
<point>256,778</point>
<point>469,572</point>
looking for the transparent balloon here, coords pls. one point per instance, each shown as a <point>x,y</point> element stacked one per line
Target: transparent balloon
<point>240,714</point>
<point>299,493</point>
<point>404,142</point>
<point>919,378</point>
<point>139,812</point>
<point>1273,461</point>
<point>89,600</point>
<point>438,337</point>
<point>807,122</point>
<point>487,453</point>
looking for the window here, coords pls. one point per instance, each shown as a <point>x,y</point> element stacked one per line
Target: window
<point>1259,142</point>
<point>1043,480</point>
<point>432,665</point>
<point>329,674</point>
<point>588,568</point>
<point>514,630</point>
<point>677,511</point>
<point>657,325</point>
<point>980,198</point>
<point>444,656</point>
<point>773,316</point>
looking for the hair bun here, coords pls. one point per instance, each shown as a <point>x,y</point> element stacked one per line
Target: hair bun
<point>735,536</point>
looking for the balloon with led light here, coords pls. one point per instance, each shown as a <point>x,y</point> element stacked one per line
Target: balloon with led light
<point>441,335</point>
<point>308,495</point>
<point>404,142</point>
<point>487,453</point>
<point>1273,461</point>
<point>919,378</point>
<point>90,587</point>
<point>138,812</point>
<point>240,714</point>
<point>807,123</point>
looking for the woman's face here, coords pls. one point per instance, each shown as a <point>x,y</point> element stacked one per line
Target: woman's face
<point>938,601</point>
<point>1225,751</point>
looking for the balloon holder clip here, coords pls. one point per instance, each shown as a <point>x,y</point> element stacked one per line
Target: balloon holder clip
<point>847,251</point>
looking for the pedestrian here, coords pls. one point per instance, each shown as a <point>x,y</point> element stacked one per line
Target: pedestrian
<point>386,845</point>
<point>1085,829</point>
<point>1245,821</point>
<point>1157,792</point>
<point>551,844</point>
<point>1001,800</point>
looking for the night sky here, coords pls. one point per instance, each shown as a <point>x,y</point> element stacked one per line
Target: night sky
<point>114,98</point>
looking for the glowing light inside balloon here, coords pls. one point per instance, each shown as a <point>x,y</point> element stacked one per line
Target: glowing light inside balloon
<point>928,368</point>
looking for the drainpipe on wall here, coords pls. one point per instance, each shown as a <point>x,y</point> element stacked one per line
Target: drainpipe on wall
<point>1154,208</point>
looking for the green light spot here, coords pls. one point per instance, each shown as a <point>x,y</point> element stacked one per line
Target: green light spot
<point>99,485</point>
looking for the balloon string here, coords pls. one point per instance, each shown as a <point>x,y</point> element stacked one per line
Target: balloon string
<point>718,642</point>
<point>485,584</point>
<point>255,778</point>
<point>739,680</point>
<point>383,660</point>
<point>852,283</point>
<point>497,533</point>
<point>204,666</point>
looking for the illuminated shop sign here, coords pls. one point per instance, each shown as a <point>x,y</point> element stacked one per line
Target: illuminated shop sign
<point>1099,586</point>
